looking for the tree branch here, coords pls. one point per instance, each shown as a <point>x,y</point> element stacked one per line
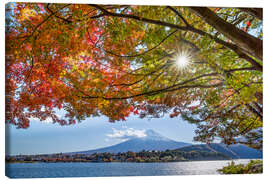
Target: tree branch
<point>129,16</point>
<point>253,110</point>
<point>65,20</point>
<point>178,14</point>
<point>168,89</point>
<point>248,43</point>
<point>240,69</point>
<point>231,46</point>
<point>46,19</point>
<point>256,12</point>
<point>136,55</point>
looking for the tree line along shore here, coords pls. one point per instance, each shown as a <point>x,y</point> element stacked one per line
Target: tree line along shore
<point>143,156</point>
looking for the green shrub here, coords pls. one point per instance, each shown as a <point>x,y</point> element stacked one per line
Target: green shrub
<point>253,167</point>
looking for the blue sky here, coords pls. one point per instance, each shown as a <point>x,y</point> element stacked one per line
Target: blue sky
<point>90,134</point>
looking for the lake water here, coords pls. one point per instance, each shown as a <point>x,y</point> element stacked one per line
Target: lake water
<point>48,170</point>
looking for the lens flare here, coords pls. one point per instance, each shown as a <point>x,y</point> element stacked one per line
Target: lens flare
<point>182,60</point>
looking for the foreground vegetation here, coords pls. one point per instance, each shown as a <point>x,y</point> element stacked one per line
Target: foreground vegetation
<point>254,166</point>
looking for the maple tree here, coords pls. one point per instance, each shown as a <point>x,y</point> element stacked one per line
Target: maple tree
<point>118,60</point>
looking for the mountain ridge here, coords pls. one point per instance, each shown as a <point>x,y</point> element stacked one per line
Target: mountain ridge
<point>152,141</point>
<point>236,151</point>
<point>155,141</point>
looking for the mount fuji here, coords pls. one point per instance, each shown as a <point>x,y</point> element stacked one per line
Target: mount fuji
<point>152,141</point>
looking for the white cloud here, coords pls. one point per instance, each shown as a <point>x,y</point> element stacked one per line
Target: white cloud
<point>127,134</point>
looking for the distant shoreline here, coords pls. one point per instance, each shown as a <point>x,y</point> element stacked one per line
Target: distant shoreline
<point>137,157</point>
<point>22,162</point>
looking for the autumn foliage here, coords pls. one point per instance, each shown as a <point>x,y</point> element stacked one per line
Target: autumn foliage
<point>120,60</point>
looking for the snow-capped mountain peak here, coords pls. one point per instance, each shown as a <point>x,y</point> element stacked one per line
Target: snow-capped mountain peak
<point>153,135</point>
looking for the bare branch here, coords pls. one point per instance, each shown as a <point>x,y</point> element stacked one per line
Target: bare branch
<point>178,14</point>
<point>136,55</point>
<point>65,20</point>
<point>168,89</point>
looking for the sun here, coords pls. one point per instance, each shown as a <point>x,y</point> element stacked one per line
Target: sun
<point>182,60</point>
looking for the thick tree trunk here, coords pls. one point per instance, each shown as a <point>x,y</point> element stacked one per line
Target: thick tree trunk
<point>249,44</point>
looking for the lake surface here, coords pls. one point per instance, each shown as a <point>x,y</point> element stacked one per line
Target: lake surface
<point>49,170</point>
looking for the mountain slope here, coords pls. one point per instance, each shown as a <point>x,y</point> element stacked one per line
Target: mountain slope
<point>152,141</point>
<point>235,151</point>
<point>155,141</point>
